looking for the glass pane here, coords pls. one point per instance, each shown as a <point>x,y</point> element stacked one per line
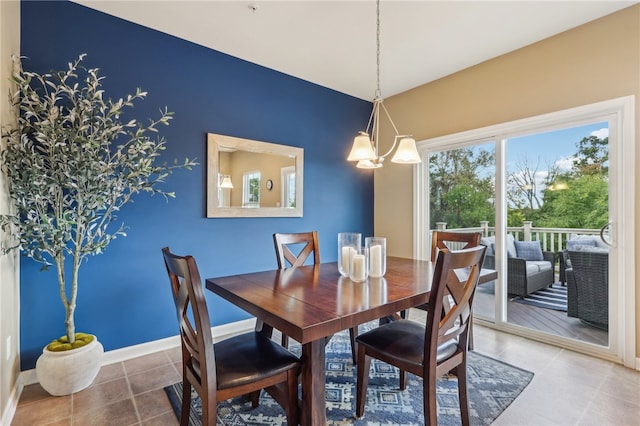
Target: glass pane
<point>558,199</point>
<point>462,192</point>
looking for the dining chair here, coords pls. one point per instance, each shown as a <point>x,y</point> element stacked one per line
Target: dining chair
<point>452,241</point>
<point>240,365</point>
<point>435,348</point>
<point>303,243</point>
<point>285,242</point>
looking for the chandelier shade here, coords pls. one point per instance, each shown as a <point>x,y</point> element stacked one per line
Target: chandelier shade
<point>362,148</point>
<point>407,152</point>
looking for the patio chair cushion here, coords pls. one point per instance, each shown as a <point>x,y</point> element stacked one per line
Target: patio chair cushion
<point>592,249</point>
<point>572,244</point>
<point>529,250</point>
<point>536,266</point>
<point>490,242</point>
<point>584,238</point>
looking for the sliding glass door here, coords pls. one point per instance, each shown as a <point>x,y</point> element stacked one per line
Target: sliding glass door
<point>547,194</point>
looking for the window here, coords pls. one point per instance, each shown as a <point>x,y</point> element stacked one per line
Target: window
<point>251,189</point>
<point>289,186</point>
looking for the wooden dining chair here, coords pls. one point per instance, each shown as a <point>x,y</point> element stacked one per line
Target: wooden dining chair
<point>284,243</point>
<point>452,241</point>
<point>240,365</point>
<point>305,244</point>
<point>433,349</point>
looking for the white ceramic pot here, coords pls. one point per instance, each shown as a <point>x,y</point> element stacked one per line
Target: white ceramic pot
<point>67,372</point>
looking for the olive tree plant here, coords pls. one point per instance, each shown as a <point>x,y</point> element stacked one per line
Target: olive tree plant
<point>71,165</point>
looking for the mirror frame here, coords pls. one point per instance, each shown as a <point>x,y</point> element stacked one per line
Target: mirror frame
<point>215,141</point>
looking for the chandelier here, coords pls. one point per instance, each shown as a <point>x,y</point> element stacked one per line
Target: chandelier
<point>365,144</point>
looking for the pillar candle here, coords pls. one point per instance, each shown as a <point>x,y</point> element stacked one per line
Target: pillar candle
<point>358,273</point>
<point>375,261</point>
<point>344,258</point>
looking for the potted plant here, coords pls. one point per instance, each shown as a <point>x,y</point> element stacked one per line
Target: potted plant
<point>71,165</point>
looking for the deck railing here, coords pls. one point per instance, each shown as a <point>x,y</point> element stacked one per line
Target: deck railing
<point>551,239</point>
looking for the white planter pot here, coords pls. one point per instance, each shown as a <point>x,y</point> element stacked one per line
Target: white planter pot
<point>67,372</point>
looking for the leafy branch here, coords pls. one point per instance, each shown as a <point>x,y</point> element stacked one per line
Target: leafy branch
<point>72,164</point>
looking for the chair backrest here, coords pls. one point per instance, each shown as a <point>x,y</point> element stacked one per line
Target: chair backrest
<point>455,278</point>
<point>444,239</point>
<point>591,273</point>
<point>285,242</point>
<point>193,318</point>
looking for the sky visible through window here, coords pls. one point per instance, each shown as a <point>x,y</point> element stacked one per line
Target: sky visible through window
<point>556,147</point>
<point>541,150</point>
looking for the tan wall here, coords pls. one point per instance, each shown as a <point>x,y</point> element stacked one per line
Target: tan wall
<point>9,291</point>
<point>594,62</point>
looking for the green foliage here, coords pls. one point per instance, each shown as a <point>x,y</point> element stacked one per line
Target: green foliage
<point>579,198</point>
<point>592,156</point>
<point>459,194</point>
<point>584,204</point>
<point>72,164</point>
<point>515,217</point>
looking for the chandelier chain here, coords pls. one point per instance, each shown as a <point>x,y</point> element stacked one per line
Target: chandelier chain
<point>378,93</point>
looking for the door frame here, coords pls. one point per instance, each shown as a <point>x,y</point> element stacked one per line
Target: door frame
<point>621,114</point>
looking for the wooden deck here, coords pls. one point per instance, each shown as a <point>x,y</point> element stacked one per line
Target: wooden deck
<point>546,320</point>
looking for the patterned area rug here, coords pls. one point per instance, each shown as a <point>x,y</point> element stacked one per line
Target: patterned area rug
<point>554,297</point>
<point>492,386</point>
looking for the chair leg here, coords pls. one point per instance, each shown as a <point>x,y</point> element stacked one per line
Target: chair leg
<point>291,410</point>
<point>353,333</point>
<point>186,403</point>
<point>255,399</point>
<point>461,372</point>
<point>209,408</point>
<point>285,341</point>
<point>362,380</point>
<point>470,334</point>
<point>403,380</point>
<point>430,405</point>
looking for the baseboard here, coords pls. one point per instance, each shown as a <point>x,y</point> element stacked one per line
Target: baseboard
<point>12,404</point>
<point>220,332</point>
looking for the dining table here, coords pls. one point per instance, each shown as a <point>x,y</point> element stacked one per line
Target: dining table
<point>312,303</point>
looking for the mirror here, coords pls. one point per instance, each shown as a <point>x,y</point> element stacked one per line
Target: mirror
<point>247,178</point>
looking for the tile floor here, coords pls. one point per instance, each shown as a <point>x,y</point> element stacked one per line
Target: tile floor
<point>567,389</point>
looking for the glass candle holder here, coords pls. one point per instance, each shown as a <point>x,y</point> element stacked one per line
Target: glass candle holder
<point>377,250</point>
<point>348,243</point>
<point>359,265</point>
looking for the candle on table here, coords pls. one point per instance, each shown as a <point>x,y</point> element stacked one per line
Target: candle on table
<point>375,261</point>
<point>345,258</point>
<point>358,264</point>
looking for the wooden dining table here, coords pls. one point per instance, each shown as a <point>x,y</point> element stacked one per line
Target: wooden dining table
<point>311,303</point>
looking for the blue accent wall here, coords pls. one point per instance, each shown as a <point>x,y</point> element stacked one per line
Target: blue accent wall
<point>124,295</point>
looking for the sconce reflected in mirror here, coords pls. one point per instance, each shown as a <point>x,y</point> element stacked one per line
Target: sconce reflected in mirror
<point>248,178</point>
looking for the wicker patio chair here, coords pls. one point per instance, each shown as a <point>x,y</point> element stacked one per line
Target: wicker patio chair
<point>588,287</point>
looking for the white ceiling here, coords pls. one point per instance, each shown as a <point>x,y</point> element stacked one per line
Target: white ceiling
<point>333,44</point>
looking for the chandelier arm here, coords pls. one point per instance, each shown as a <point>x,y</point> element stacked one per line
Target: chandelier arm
<point>395,142</point>
<point>372,116</point>
<point>389,117</point>
<point>395,139</point>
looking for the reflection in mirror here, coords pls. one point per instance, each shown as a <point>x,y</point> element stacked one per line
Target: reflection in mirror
<point>247,178</point>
